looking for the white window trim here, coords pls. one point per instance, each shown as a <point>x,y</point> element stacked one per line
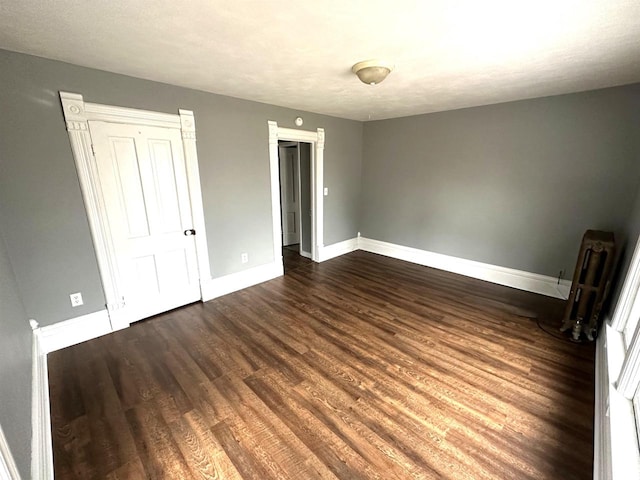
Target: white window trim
<point>628,379</point>
<point>617,452</point>
<point>628,293</point>
<point>620,446</point>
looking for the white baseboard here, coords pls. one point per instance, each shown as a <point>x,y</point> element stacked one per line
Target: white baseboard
<point>217,287</point>
<point>41,442</point>
<point>331,251</point>
<point>8,467</point>
<point>75,330</point>
<point>531,282</point>
<point>564,287</point>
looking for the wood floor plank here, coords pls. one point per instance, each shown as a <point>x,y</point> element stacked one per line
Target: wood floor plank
<point>317,435</point>
<point>129,471</point>
<point>198,450</point>
<point>362,367</point>
<point>220,460</point>
<point>156,448</point>
<point>244,460</point>
<point>112,443</point>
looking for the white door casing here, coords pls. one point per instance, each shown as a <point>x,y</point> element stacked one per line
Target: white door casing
<point>298,183</point>
<point>8,467</point>
<point>146,195</point>
<point>316,139</point>
<point>290,194</point>
<point>77,116</point>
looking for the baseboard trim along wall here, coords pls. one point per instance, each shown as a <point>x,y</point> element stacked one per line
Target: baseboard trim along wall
<point>217,287</point>
<point>86,327</point>
<point>335,250</point>
<point>93,325</point>
<point>41,442</point>
<point>531,282</point>
<point>73,331</point>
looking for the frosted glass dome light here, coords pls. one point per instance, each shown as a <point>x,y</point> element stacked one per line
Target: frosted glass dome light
<point>372,72</point>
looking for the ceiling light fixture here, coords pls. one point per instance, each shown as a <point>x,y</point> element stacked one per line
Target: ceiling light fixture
<point>372,72</point>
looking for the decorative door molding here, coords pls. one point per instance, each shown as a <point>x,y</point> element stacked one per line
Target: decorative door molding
<point>77,114</point>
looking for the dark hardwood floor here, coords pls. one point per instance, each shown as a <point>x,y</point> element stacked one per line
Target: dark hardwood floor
<point>292,259</point>
<point>361,367</point>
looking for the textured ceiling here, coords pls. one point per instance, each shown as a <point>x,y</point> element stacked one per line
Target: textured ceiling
<point>298,53</point>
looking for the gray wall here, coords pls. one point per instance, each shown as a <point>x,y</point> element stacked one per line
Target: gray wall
<point>631,233</point>
<point>15,367</point>
<point>305,195</point>
<point>513,184</point>
<point>47,233</point>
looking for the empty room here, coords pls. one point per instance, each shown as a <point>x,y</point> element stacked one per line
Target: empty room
<point>319,240</point>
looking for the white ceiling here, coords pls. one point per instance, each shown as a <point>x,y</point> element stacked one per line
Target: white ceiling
<point>298,53</point>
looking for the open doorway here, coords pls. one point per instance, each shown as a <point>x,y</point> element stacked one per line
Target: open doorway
<point>317,140</point>
<point>294,162</point>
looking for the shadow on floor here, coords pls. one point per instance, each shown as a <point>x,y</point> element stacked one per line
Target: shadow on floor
<point>292,259</point>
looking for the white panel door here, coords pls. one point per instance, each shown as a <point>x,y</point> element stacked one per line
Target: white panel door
<point>144,184</point>
<point>289,192</point>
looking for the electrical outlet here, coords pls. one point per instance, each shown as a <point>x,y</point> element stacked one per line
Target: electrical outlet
<point>76,299</point>
<point>244,257</point>
<point>326,191</point>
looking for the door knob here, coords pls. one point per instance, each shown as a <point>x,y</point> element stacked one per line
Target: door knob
<point>189,232</point>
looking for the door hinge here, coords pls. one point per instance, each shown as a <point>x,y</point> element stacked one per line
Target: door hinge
<point>93,150</point>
